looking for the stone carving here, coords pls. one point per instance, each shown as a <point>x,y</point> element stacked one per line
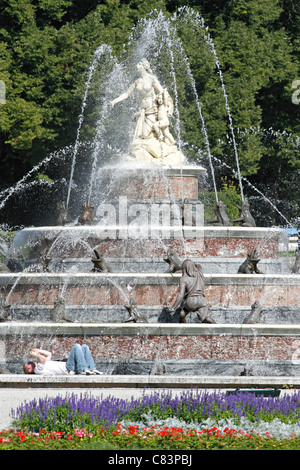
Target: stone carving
<point>245,217</point>
<point>296,266</point>
<point>4,370</point>
<point>249,266</point>
<point>63,213</point>
<point>161,126</point>
<point>58,314</point>
<point>254,315</point>
<point>100,265</point>
<point>246,372</point>
<point>14,265</point>
<point>86,217</point>
<point>221,217</point>
<point>134,314</point>
<point>175,263</point>
<point>152,140</point>
<point>4,268</point>
<point>4,310</point>
<point>44,262</point>
<point>191,296</point>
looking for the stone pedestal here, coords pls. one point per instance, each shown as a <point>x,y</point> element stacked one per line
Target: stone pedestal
<point>151,182</point>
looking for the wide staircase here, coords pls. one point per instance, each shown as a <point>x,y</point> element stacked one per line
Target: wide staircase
<point>97,269</point>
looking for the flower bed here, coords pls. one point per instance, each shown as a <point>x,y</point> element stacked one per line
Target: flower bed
<point>191,420</point>
<point>134,438</point>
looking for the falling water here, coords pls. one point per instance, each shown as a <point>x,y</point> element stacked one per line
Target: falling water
<point>177,127</point>
<point>234,173</point>
<point>117,285</point>
<point>172,42</point>
<point>20,184</point>
<point>145,50</point>
<point>257,190</point>
<point>199,107</point>
<point>113,77</point>
<point>146,43</point>
<point>97,55</point>
<point>12,288</point>
<point>229,116</point>
<point>199,21</point>
<point>178,134</point>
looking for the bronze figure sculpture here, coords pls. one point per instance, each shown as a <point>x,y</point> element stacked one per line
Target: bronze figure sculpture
<point>58,313</point>
<point>296,266</point>
<point>134,314</point>
<point>245,217</point>
<point>4,311</point>
<point>254,315</point>
<point>191,296</point>
<point>100,265</point>
<point>221,217</point>
<point>249,266</point>
<point>63,213</point>
<point>86,217</point>
<point>175,263</point>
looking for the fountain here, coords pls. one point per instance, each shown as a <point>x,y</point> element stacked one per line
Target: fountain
<point>102,279</point>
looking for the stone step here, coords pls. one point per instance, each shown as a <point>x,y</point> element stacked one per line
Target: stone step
<point>160,349</point>
<point>146,381</point>
<point>148,329</point>
<point>119,241</point>
<point>153,314</point>
<point>147,288</point>
<point>182,367</point>
<point>216,265</point>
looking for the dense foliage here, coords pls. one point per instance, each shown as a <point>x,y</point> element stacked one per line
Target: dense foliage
<point>46,48</point>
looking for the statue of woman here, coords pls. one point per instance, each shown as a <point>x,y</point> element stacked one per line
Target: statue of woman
<point>147,85</point>
<point>191,293</point>
<point>152,141</point>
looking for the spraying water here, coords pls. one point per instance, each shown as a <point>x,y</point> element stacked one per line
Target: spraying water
<point>199,22</point>
<point>19,186</point>
<point>103,49</point>
<point>243,178</point>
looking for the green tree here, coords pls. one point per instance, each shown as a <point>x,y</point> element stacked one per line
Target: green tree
<point>46,48</point>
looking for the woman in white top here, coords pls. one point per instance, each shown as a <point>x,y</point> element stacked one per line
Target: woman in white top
<point>80,361</point>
